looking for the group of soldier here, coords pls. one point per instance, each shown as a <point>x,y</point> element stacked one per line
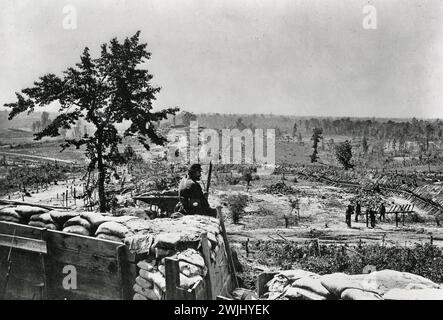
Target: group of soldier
<point>370,213</point>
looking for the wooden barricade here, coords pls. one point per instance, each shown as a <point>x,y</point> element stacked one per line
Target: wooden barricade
<point>44,264</point>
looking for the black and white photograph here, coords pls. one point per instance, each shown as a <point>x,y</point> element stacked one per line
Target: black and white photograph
<point>250,152</point>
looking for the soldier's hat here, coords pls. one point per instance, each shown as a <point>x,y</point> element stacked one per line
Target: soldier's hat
<point>195,167</point>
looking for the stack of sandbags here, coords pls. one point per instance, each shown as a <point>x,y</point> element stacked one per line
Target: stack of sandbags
<point>151,284</point>
<point>173,235</point>
<point>43,220</point>
<point>95,219</point>
<point>78,225</point>
<point>9,214</point>
<point>112,230</point>
<point>61,217</point>
<point>392,284</point>
<point>26,212</point>
<point>384,284</point>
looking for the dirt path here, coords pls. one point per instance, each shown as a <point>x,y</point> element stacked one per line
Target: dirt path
<point>22,155</point>
<point>53,194</point>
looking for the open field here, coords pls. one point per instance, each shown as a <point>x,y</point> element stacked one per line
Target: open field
<point>323,191</point>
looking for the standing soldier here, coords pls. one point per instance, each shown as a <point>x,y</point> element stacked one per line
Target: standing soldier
<point>357,211</point>
<point>372,217</point>
<point>286,220</point>
<point>382,212</point>
<point>349,212</point>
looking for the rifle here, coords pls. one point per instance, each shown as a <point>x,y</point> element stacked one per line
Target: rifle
<point>208,183</point>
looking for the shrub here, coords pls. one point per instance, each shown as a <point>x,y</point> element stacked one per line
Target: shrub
<point>236,204</point>
<point>423,259</point>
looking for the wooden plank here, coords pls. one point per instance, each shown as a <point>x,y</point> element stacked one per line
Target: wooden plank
<point>27,244</point>
<point>83,259</point>
<point>227,248</point>
<point>210,276</point>
<point>199,291</point>
<point>226,287</point>
<point>81,243</point>
<point>24,265</point>
<point>21,230</point>
<point>127,272</point>
<point>172,277</point>
<point>23,289</point>
<point>222,272</point>
<point>90,284</point>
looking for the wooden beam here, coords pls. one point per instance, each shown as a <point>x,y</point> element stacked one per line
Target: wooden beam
<point>210,277</point>
<point>227,247</point>
<point>172,275</point>
<point>27,244</point>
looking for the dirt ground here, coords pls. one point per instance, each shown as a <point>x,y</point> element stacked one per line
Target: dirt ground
<point>322,216</point>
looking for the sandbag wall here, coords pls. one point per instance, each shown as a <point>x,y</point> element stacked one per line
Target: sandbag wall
<point>150,241</point>
<point>377,285</point>
<point>183,240</point>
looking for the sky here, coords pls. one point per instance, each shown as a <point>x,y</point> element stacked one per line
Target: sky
<point>294,57</point>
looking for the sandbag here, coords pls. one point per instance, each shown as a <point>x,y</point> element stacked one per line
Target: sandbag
<point>302,294</point>
<point>148,293</point>
<point>156,277</point>
<point>112,228</point>
<point>277,284</point>
<point>60,217</point>
<point>144,283</point>
<point>167,240</point>
<point>336,283</point>
<point>191,270</point>
<point>9,219</point>
<point>188,282</point>
<point>385,280</point>
<point>10,212</point>
<point>357,294</point>
<point>139,243</point>
<point>43,217</point>
<point>78,221</point>
<point>191,256</point>
<point>138,296</point>
<point>40,224</point>
<point>108,237</point>
<point>145,265</point>
<point>312,284</point>
<point>77,230</point>
<point>296,274</point>
<point>293,293</point>
<point>95,219</point>
<point>414,294</point>
<point>28,211</point>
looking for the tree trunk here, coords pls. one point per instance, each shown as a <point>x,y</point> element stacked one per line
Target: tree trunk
<point>101,179</point>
